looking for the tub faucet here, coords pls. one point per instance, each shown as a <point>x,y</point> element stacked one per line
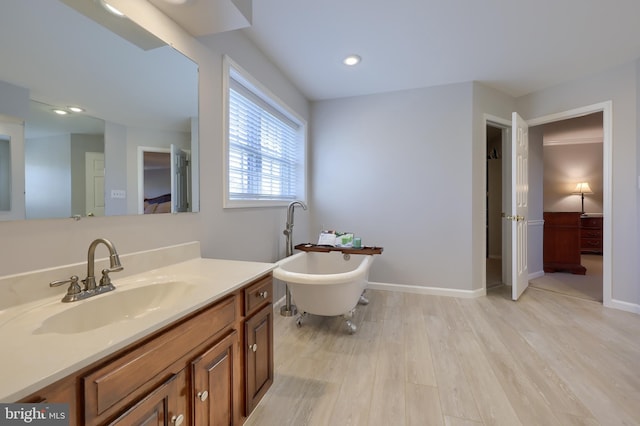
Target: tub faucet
<point>288,232</point>
<point>114,266</point>
<point>288,309</point>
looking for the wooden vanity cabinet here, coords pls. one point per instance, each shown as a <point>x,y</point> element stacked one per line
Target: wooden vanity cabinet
<point>258,342</point>
<point>215,398</point>
<point>165,405</point>
<point>198,371</point>
<point>135,374</point>
<point>63,392</point>
<point>259,356</point>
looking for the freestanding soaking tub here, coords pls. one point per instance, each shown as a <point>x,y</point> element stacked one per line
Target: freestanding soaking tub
<point>325,283</point>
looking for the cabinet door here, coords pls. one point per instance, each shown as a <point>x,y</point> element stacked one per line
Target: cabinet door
<point>259,359</point>
<point>212,381</point>
<point>63,391</point>
<point>163,406</point>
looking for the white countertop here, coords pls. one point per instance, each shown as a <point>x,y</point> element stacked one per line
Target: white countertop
<point>32,357</point>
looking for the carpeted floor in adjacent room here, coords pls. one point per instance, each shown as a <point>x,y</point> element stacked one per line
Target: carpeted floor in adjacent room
<point>587,286</point>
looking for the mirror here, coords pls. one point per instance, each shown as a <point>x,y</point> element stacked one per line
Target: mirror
<point>135,91</point>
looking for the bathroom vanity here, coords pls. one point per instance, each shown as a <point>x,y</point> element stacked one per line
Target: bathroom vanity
<point>206,360</point>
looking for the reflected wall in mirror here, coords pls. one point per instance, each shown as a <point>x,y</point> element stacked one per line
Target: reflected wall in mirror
<point>62,156</point>
<point>5,173</point>
<point>144,92</point>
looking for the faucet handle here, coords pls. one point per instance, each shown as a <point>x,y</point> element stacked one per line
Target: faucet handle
<point>105,281</point>
<point>73,280</point>
<point>74,287</point>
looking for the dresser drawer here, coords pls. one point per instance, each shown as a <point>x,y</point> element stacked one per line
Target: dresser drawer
<point>257,294</point>
<point>591,233</point>
<point>591,222</point>
<point>591,244</point>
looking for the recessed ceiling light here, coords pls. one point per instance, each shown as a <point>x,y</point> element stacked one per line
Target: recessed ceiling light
<point>60,111</point>
<point>75,109</point>
<point>111,9</point>
<point>352,60</point>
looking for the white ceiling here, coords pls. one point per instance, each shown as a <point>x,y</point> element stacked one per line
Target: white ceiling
<point>516,46</point>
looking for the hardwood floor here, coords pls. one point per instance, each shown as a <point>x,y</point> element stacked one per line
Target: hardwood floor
<point>547,359</point>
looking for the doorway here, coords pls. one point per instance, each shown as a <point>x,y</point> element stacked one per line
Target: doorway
<point>572,153</point>
<point>154,180</point>
<point>535,227</point>
<point>607,139</point>
<point>494,208</point>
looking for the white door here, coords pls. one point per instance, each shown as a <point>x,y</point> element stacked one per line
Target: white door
<point>519,205</point>
<point>179,180</point>
<point>94,186</point>
<point>506,207</point>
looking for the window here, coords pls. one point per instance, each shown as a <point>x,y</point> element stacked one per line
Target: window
<point>265,146</point>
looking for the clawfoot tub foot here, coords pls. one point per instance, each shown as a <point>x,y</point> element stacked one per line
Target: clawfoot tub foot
<point>351,327</point>
<point>363,300</point>
<point>299,319</point>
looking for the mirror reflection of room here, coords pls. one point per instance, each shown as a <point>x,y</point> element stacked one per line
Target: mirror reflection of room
<point>70,168</point>
<point>64,164</point>
<point>157,182</point>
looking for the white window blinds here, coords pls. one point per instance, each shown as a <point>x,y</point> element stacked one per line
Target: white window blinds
<point>262,148</point>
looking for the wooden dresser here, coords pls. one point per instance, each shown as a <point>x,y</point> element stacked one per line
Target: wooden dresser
<point>562,242</point>
<point>591,234</point>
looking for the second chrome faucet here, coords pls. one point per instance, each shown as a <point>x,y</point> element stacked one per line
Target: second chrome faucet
<point>75,291</point>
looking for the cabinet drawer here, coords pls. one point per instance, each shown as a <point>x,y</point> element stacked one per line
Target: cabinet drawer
<point>128,377</point>
<point>257,294</point>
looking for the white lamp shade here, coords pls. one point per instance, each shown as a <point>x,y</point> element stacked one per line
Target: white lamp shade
<point>583,188</point>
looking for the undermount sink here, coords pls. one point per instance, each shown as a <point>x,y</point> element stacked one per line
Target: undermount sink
<point>116,306</point>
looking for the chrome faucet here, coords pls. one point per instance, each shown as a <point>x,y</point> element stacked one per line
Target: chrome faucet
<point>288,309</point>
<point>75,292</point>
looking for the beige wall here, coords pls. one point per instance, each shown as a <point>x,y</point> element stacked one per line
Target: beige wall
<point>564,167</point>
<point>573,153</point>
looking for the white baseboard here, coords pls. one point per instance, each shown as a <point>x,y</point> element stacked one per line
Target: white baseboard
<point>534,275</point>
<point>279,302</point>
<point>465,294</point>
<point>434,291</point>
<point>624,306</point>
